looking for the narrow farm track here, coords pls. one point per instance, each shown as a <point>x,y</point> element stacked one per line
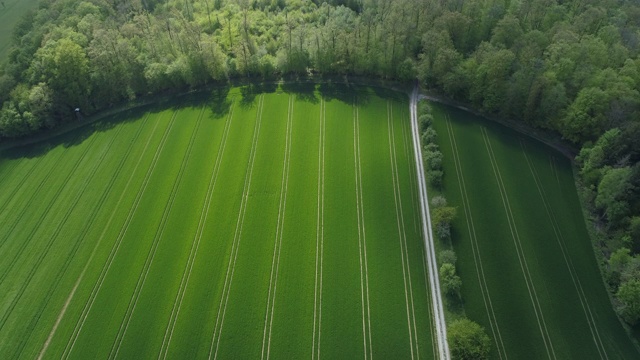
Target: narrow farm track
<point>204,214</point>
<point>116,246</point>
<point>479,266</point>
<point>84,232</point>
<point>436,295</point>
<point>533,294</point>
<point>591,321</point>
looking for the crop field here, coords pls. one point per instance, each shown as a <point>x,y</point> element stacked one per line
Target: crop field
<point>529,273</point>
<point>10,13</point>
<point>248,223</point>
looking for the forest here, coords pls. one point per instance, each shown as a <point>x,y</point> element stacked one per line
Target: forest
<point>570,67</point>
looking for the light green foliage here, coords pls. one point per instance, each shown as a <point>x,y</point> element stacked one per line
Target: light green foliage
<point>613,192</point>
<point>468,340</point>
<point>629,297</point>
<point>438,201</point>
<point>447,257</point>
<point>449,280</point>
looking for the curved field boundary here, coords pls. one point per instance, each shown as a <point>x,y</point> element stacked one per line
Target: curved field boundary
<point>22,183</point>
<point>204,214</point>
<point>217,331</point>
<point>317,292</point>
<point>593,328</point>
<point>54,237</point>
<point>118,242</point>
<point>29,202</point>
<point>275,262</point>
<point>535,301</point>
<point>436,296</point>
<point>81,238</point>
<point>142,278</point>
<point>38,223</point>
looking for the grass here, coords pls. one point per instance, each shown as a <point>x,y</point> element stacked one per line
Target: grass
<point>249,222</point>
<point>10,14</point>
<point>528,268</point>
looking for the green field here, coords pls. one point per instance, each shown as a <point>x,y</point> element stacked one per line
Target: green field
<point>529,273</point>
<point>243,223</point>
<point>10,14</point>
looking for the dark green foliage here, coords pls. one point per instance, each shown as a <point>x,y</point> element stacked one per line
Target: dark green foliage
<point>468,340</point>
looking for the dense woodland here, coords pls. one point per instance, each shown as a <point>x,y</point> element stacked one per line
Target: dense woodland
<point>570,66</point>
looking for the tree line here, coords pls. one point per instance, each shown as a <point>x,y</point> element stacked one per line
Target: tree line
<point>570,66</point>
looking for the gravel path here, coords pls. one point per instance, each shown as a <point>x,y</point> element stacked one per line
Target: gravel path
<point>434,282</point>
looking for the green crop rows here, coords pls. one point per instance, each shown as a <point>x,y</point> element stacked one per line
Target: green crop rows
<point>529,273</point>
<point>247,223</point>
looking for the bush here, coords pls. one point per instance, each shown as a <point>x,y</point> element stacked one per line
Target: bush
<point>438,201</point>
<point>468,340</point>
<point>429,136</point>
<point>449,280</point>
<point>629,301</point>
<point>434,177</point>
<point>433,160</point>
<point>425,121</point>
<point>447,257</point>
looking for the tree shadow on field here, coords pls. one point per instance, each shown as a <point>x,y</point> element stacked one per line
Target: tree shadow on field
<point>249,92</point>
<point>218,101</point>
<point>346,93</point>
<point>304,91</point>
<point>389,93</point>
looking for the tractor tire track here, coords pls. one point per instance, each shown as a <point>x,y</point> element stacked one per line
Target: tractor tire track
<point>204,214</point>
<point>533,295</point>
<point>39,222</point>
<point>275,263</point>
<point>475,247</point>
<point>54,237</point>
<point>142,278</point>
<point>317,294</point>
<point>362,238</point>
<point>82,237</point>
<point>116,246</point>
<point>224,299</point>
<point>406,270</point>
<point>593,328</point>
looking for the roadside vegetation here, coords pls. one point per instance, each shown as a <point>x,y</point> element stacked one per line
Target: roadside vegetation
<point>467,339</point>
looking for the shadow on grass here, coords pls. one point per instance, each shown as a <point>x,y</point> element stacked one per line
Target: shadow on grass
<point>249,92</point>
<point>304,91</point>
<point>218,100</point>
<point>348,93</point>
